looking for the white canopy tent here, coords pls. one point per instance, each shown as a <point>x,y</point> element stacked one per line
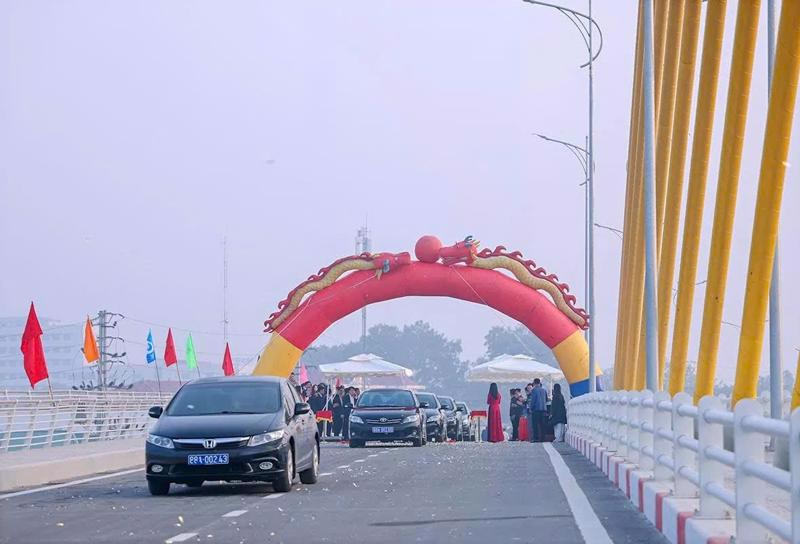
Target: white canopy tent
<point>513,369</point>
<point>366,365</point>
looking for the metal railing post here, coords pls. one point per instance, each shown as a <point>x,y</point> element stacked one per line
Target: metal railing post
<point>682,457</point>
<point>633,427</point>
<point>709,435</point>
<point>645,436</point>
<point>794,470</point>
<point>662,421</point>
<point>748,447</point>
<point>623,432</point>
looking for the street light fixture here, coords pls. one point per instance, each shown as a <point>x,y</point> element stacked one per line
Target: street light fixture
<point>585,25</point>
<point>582,155</point>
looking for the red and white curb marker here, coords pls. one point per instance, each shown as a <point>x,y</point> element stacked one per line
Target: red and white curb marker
<point>673,516</point>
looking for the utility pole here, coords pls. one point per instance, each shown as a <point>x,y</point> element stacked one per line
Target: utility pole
<point>101,364</point>
<point>225,288</point>
<point>107,359</point>
<point>363,245</point>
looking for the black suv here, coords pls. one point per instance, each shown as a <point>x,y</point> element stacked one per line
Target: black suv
<point>387,415</point>
<point>453,423</point>
<point>253,428</point>
<point>436,420</point>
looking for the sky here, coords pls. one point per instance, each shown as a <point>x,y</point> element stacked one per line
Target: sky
<point>136,136</point>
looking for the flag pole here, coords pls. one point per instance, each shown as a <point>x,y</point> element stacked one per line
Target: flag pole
<point>50,388</point>
<point>158,380</point>
<point>178,370</point>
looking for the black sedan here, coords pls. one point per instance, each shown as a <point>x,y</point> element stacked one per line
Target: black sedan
<point>437,421</point>
<point>387,415</point>
<point>232,429</point>
<point>453,423</point>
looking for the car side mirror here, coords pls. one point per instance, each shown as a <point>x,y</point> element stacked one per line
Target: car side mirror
<point>155,412</point>
<point>424,405</point>
<point>301,408</point>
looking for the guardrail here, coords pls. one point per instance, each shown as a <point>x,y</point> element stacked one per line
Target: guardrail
<point>72,417</point>
<point>684,444</point>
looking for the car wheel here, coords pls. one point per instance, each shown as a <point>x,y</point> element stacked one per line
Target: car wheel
<point>284,483</point>
<point>356,443</point>
<point>198,483</point>
<point>157,487</point>
<point>416,442</point>
<point>310,475</point>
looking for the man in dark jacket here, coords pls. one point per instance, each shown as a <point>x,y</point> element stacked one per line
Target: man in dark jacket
<point>537,408</point>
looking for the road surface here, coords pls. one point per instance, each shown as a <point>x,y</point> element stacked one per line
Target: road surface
<point>460,493</point>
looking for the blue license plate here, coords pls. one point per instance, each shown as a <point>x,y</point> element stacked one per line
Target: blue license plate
<point>385,430</point>
<point>209,459</point>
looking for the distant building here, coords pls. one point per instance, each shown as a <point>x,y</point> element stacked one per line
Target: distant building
<point>62,349</point>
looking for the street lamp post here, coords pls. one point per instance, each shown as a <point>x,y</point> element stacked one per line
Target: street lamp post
<point>585,25</point>
<point>582,155</point>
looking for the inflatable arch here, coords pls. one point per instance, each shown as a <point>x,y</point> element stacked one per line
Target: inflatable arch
<point>458,271</point>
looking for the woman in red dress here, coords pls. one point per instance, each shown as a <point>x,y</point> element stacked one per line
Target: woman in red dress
<point>494,427</point>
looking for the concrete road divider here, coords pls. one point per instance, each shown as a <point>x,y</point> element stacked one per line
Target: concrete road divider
<point>30,468</point>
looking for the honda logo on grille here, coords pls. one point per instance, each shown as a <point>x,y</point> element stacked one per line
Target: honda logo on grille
<point>209,444</point>
<point>384,420</point>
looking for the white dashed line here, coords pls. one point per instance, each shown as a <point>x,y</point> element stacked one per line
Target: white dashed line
<point>344,466</point>
<point>274,495</point>
<point>326,474</point>
<point>372,455</point>
<point>359,461</point>
<point>234,513</point>
<point>181,537</point>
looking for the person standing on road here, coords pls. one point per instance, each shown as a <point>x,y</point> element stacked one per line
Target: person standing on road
<point>558,413</point>
<point>515,412</point>
<point>337,405</point>
<point>537,408</point>
<point>348,404</point>
<point>317,402</point>
<point>494,425</point>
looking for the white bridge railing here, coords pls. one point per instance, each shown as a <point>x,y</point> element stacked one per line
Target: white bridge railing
<point>35,420</point>
<point>685,444</point>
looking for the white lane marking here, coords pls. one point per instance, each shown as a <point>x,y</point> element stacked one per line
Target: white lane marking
<point>181,537</point>
<point>372,455</point>
<point>234,513</point>
<point>344,466</point>
<point>359,461</point>
<point>585,518</point>
<point>67,484</point>
<point>326,474</point>
<point>274,495</point>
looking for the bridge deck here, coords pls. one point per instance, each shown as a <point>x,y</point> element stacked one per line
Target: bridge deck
<point>512,492</point>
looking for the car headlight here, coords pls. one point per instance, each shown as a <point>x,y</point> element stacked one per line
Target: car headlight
<point>160,441</point>
<point>264,438</point>
<point>356,419</point>
<point>411,419</point>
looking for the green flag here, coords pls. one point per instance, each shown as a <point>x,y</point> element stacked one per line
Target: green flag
<point>191,356</point>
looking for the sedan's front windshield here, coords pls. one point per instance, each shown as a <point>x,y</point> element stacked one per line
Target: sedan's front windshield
<point>206,399</point>
<point>430,398</point>
<point>447,404</point>
<point>387,399</point>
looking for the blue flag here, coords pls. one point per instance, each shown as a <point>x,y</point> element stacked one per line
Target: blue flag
<point>151,349</point>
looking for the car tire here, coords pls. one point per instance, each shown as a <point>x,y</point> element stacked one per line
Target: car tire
<point>416,442</point>
<point>157,487</point>
<point>311,474</point>
<point>356,443</point>
<point>198,483</point>
<point>284,483</point>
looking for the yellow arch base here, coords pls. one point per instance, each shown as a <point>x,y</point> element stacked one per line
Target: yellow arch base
<point>573,357</point>
<point>278,358</point>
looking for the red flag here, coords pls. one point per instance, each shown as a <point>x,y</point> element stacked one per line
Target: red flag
<point>227,362</point>
<point>32,350</point>
<point>170,355</point>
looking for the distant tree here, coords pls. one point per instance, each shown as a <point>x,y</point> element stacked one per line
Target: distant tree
<point>434,358</point>
<point>517,340</point>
